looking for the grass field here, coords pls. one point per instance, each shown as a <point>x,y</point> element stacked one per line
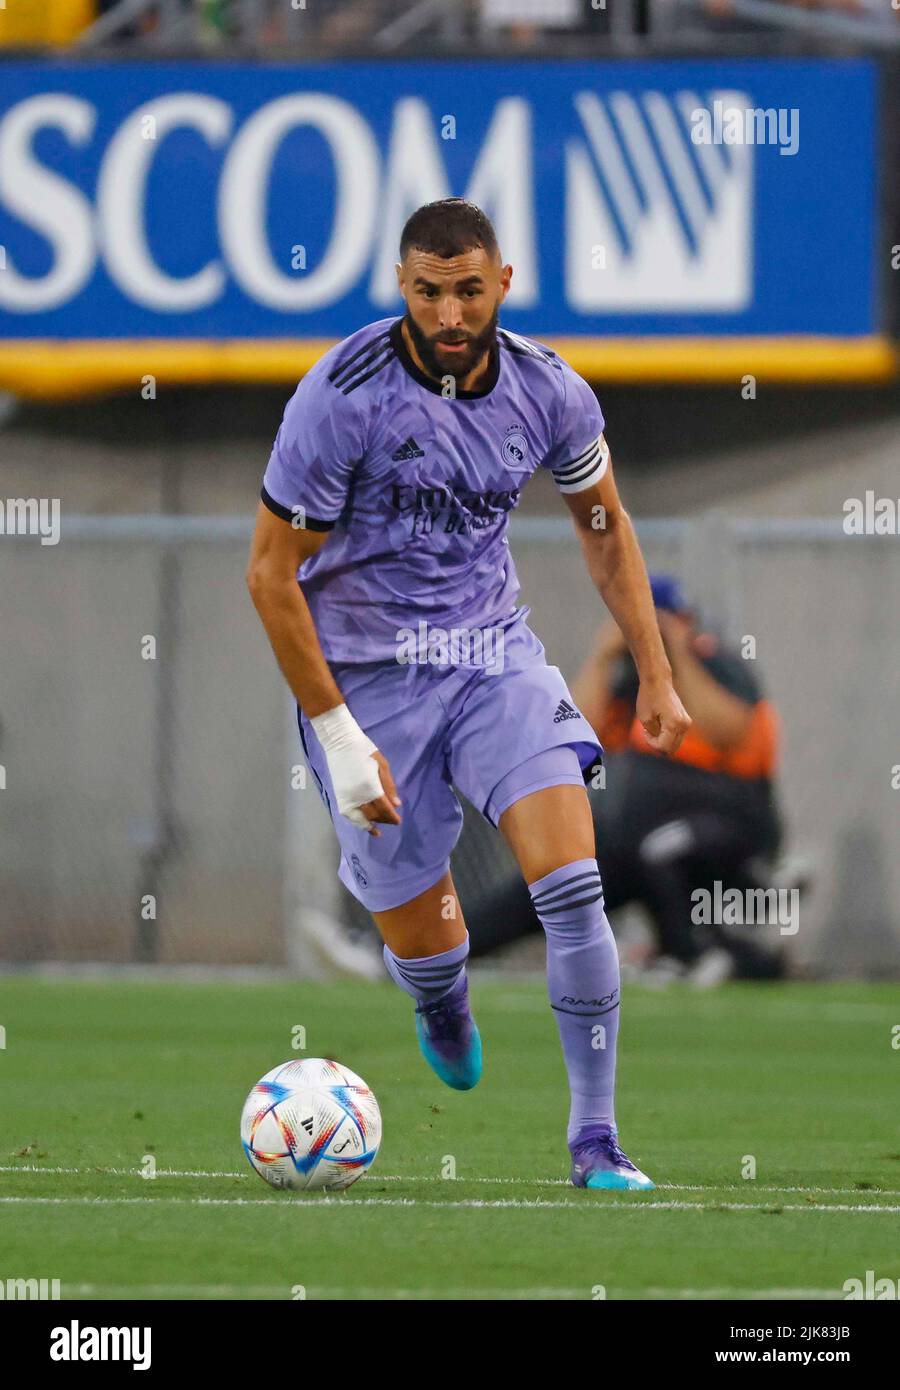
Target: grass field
<point>97,1075</point>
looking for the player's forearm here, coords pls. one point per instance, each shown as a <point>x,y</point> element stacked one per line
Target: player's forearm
<point>291,631</point>
<point>617,568</point>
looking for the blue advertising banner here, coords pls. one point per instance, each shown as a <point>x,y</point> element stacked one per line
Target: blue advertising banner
<point>216,204</point>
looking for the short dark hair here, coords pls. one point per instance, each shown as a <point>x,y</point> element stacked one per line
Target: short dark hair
<point>448,228</point>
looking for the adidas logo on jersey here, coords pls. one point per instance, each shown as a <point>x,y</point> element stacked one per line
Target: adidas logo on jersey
<point>565,711</point>
<point>408,450</point>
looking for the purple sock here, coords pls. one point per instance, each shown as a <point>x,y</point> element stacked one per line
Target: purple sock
<point>428,978</point>
<point>583,981</point>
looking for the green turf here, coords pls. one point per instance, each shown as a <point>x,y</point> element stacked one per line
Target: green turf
<point>97,1075</point>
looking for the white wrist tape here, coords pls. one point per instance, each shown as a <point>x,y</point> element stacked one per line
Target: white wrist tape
<point>348,752</point>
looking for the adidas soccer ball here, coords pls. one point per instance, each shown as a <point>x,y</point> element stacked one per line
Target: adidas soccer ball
<point>311,1124</point>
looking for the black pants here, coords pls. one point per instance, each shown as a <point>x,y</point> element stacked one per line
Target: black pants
<point>662,830</point>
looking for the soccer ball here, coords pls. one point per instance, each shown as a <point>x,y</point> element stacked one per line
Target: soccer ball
<point>311,1124</point>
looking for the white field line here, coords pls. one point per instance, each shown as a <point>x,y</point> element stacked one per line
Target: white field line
<point>492,1182</point>
<point>316,1292</point>
<point>118,1172</point>
<point>524,1204</point>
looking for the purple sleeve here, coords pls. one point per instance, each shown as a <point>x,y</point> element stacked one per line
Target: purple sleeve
<point>579,454</point>
<point>318,443</point>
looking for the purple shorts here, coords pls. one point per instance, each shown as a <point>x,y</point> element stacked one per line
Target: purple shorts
<point>490,733</point>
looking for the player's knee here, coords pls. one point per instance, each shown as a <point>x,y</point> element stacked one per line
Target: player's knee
<point>569,900</point>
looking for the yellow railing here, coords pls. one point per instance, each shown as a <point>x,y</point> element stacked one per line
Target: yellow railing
<point>68,368</point>
<point>43,23</point>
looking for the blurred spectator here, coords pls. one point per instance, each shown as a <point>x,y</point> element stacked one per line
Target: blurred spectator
<point>350,24</point>
<point>727,15</point>
<point>523,22</point>
<point>333,25</point>
<point>668,826</point>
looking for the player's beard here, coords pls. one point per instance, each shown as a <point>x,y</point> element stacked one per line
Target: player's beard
<point>459,367</point>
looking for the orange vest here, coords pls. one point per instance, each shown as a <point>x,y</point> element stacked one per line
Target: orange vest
<point>755,756</point>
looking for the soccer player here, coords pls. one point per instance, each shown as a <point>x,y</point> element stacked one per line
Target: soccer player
<point>381,571</point>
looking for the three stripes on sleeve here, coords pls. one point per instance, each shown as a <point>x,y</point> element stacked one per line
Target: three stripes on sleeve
<point>585,470</point>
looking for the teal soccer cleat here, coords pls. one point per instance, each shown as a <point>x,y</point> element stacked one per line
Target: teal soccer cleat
<point>598,1162</point>
<point>449,1039</point>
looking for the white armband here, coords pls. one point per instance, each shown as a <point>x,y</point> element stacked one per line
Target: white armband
<point>585,470</point>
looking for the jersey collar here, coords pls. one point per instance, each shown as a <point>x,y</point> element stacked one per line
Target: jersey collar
<point>409,366</point>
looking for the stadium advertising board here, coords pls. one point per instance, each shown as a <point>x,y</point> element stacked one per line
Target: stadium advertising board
<point>226,222</point>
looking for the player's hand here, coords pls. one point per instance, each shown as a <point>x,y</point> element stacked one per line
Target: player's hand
<point>382,808</point>
<point>664,718</point>
<point>364,786</point>
<point>356,768</point>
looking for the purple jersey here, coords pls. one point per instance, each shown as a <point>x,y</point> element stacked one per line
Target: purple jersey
<point>418,487</point>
